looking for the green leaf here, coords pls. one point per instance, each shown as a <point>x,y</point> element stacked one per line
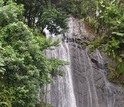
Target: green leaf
<point>120,68</point>
<point>122,55</point>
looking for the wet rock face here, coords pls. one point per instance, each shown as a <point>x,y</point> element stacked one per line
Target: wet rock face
<point>91,87</point>
<point>85,82</point>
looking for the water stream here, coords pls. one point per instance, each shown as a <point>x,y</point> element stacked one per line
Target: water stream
<point>84,83</point>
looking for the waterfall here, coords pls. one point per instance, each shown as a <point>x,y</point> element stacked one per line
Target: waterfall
<point>92,80</point>
<point>84,83</point>
<point>109,101</point>
<point>63,86</point>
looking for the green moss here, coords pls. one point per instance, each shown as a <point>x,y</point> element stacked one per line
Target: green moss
<point>84,43</point>
<point>45,105</point>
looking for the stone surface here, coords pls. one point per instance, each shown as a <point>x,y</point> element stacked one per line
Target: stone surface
<point>85,83</point>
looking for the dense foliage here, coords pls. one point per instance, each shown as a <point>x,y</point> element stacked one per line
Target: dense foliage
<point>105,18</point>
<point>107,21</point>
<point>24,68</point>
<point>44,13</point>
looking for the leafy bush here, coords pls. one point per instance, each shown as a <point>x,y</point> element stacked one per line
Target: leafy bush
<point>54,20</point>
<point>24,68</point>
<point>109,26</point>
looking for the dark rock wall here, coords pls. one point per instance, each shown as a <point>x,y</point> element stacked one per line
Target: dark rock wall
<point>85,82</point>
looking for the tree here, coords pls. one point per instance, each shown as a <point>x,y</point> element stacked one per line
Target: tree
<point>23,66</point>
<point>41,12</point>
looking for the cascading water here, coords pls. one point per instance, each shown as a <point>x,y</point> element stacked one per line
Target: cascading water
<point>109,101</point>
<point>84,83</point>
<point>63,86</point>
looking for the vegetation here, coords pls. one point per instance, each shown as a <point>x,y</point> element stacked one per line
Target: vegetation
<point>24,68</point>
<point>43,13</point>
<point>107,21</point>
<point>105,18</point>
